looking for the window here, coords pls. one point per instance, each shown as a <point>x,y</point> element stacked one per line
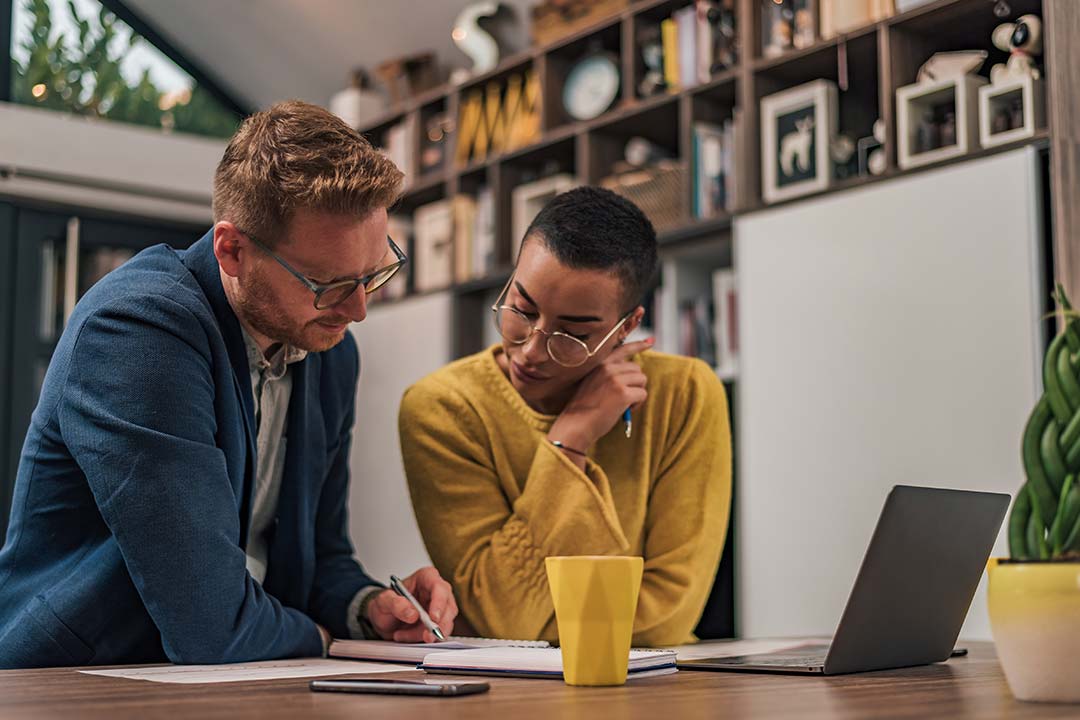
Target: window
<point>77,56</point>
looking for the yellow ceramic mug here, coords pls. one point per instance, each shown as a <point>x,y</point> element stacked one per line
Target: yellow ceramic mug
<point>595,601</point>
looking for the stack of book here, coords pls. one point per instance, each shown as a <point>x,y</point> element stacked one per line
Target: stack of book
<point>694,44</point>
<point>454,240</point>
<point>726,322</point>
<point>713,162</point>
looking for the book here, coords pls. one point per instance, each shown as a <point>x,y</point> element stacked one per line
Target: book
<point>705,40</point>
<point>713,166</point>
<point>533,662</point>
<point>710,186</point>
<point>726,329</point>
<point>433,228</point>
<point>464,207</point>
<point>686,25</point>
<point>414,653</point>
<point>483,249</point>
<point>669,38</point>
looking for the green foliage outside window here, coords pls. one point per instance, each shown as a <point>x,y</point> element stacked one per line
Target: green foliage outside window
<point>82,75</point>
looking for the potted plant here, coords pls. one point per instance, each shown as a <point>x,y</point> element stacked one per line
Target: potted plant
<point>1034,595</point>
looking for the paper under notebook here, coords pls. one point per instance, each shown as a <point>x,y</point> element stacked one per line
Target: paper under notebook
<point>416,652</point>
<point>535,662</point>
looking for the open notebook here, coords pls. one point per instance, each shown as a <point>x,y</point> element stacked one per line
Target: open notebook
<point>535,662</point>
<point>415,653</point>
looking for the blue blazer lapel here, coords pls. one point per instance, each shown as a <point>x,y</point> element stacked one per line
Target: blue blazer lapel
<point>203,264</point>
<point>291,562</point>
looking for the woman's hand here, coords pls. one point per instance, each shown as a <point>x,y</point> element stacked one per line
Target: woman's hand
<point>601,399</point>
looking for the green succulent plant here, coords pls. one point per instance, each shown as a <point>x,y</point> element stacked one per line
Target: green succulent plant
<point>1045,520</point>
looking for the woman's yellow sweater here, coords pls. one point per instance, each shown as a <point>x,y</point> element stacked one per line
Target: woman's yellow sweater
<point>493,497</point>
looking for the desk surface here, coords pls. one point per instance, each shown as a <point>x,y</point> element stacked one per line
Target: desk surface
<point>964,687</point>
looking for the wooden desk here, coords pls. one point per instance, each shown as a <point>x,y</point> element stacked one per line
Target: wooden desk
<point>964,687</point>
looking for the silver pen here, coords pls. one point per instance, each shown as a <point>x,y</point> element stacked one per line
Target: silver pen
<point>399,588</point>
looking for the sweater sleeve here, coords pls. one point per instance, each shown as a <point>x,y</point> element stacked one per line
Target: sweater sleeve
<point>490,548</point>
<point>687,517</point>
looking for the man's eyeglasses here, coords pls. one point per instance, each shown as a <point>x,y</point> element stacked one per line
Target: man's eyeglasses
<point>335,293</point>
<point>564,349</point>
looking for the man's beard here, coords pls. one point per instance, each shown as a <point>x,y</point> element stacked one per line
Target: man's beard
<point>258,307</point>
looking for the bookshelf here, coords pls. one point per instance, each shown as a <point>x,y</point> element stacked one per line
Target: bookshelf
<point>868,63</point>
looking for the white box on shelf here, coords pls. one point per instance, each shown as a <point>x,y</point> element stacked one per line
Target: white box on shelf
<point>913,102</point>
<point>527,200</point>
<point>796,128</point>
<point>433,240</point>
<point>1025,95</point>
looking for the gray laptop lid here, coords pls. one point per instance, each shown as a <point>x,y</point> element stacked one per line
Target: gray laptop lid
<point>917,579</point>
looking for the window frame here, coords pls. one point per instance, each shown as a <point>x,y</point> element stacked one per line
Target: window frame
<point>202,77</point>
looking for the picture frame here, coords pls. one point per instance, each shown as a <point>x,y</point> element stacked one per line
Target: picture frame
<point>937,120</point>
<point>1023,99</point>
<point>796,127</point>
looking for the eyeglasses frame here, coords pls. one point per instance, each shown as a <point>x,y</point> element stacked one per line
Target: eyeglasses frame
<point>533,329</point>
<point>320,289</point>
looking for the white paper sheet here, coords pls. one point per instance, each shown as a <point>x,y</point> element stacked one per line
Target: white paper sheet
<point>242,672</point>
<point>731,648</point>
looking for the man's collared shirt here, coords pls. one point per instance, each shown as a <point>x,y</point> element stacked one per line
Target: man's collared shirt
<point>271,387</point>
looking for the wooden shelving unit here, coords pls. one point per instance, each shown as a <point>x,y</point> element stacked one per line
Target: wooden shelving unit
<point>868,63</point>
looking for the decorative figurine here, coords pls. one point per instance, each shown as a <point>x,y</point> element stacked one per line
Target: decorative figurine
<point>1023,41</point>
<point>473,40</point>
<point>652,53</point>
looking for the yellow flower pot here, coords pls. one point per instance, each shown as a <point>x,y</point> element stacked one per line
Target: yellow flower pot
<point>1035,618</point>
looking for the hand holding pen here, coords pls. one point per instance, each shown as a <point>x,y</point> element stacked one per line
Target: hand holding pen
<point>608,394</point>
<point>419,608</point>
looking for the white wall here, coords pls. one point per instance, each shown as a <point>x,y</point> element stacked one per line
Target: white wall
<point>889,336</point>
<point>399,344</point>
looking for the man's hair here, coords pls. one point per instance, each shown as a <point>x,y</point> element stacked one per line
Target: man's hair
<point>299,156</point>
<point>593,228</point>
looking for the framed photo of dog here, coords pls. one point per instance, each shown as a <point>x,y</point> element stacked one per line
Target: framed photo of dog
<point>796,128</point>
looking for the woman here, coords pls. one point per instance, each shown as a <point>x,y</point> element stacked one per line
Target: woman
<point>522,451</point>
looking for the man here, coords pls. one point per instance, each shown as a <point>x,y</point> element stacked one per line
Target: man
<point>182,490</point>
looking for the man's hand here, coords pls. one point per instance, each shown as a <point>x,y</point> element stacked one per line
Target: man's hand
<point>394,617</point>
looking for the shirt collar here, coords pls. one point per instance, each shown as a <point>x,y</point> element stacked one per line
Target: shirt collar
<point>277,364</point>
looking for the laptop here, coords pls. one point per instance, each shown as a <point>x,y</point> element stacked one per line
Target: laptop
<point>912,592</point>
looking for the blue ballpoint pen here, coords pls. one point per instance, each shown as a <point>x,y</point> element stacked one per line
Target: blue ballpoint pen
<point>628,419</point>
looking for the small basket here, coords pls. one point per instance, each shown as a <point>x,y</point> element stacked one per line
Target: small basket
<point>658,190</point>
<point>555,19</point>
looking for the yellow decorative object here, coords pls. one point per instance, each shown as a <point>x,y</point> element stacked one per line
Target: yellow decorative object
<point>511,112</point>
<point>469,120</point>
<point>531,106</point>
<point>1035,617</point>
<point>494,119</point>
<point>595,600</point>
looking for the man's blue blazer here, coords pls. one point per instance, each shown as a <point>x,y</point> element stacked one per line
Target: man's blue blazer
<point>134,488</point>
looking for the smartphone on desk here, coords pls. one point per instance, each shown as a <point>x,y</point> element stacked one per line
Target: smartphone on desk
<point>399,687</point>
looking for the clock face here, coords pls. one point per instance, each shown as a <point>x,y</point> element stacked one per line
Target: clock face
<point>591,87</point>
